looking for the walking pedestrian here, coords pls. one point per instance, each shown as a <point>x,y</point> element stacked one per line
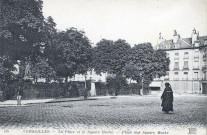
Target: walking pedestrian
<point>167,99</point>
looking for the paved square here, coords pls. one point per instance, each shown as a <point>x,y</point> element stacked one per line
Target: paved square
<point>121,112</point>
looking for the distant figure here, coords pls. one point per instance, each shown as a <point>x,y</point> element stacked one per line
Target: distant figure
<point>116,92</point>
<point>167,99</point>
<point>19,99</point>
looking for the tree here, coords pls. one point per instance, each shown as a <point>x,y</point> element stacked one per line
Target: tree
<point>6,70</point>
<point>42,70</point>
<point>72,53</point>
<point>115,83</point>
<point>146,63</point>
<point>23,33</point>
<point>41,66</point>
<point>20,28</point>
<point>6,74</point>
<point>109,56</point>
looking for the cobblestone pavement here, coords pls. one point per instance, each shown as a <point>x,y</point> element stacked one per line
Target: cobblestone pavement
<point>117,112</point>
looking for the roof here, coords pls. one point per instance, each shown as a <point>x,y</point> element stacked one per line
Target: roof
<point>188,40</point>
<point>202,39</point>
<point>181,43</point>
<point>184,43</point>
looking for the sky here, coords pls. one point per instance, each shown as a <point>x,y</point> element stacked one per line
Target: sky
<point>136,21</point>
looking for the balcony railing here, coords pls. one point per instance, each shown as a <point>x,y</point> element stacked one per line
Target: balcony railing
<point>185,68</point>
<point>195,78</point>
<point>176,68</point>
<point>196,56</point>
<point>185,79</point>
<point>175,78</point>
<point>176,58</point>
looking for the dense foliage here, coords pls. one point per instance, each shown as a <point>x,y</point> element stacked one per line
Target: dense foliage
<point>110,56</point>
<point>32,42</point>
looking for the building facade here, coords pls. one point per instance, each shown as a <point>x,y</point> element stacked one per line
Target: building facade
<point>188,63</point>
<point>91,75</point>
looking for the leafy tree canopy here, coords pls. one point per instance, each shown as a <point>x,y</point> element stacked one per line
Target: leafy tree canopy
<point>20,27</point>
<point>145,63</point>
<point>72,53</point>
<point>42,70</point>
<point>6,70</point>
<point>110,56</point>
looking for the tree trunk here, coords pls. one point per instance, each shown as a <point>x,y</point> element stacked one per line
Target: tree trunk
<point>66,79</point>
<point>47,80</point>
<point>85,90</point>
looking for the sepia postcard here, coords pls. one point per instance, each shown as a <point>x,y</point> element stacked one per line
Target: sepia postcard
<point>103,67</point>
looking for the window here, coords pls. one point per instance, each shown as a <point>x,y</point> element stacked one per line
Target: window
<point>186,55</point>
<point>185,66</point>
<point>204,75</point>
<point>185,73</point>
<point>196,65</point>
<point>196,54</point>
<point>176,73</point>
<point>195,76</point>
<point>196,58</point>
<point>176,65</point>
<point>185,76</point>
<point>176,56</point>
<point>175,76</point>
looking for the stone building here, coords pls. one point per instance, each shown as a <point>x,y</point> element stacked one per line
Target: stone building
<point>188,63</point>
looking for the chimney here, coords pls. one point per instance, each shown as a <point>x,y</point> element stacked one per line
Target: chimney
<point>175,37</point>
<point>160,40</point>
<point>194,36</point>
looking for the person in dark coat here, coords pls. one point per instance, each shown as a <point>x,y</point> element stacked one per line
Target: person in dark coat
<point>167,99</point>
